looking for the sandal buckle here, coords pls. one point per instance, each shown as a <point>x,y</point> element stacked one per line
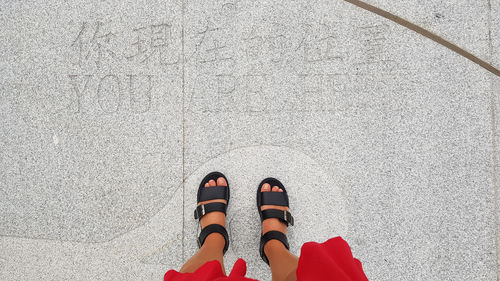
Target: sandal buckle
<point>197,212</point>
<point>284,212</point>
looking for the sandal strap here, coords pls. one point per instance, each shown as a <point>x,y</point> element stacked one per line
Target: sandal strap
<point>214,192</point>
<point>284,216</point>
<point>272,235</point>
<point>202,210</point>
<point>274,198</point>
<point>213,228</point>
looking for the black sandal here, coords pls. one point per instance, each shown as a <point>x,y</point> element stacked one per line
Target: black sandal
<point>211,193</point>
<point>273,198</point>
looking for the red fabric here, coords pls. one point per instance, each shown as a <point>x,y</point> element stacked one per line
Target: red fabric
<point>211,271</point>
<point>331,260</point>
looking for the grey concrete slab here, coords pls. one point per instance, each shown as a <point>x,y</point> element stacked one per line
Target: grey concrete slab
<point>495,85</point>
<point>495,32</point>
<point>496,157</point>
<point>90,140</point>
<point>400,122</point>
<point>88,152</point>
<point>144,253</point>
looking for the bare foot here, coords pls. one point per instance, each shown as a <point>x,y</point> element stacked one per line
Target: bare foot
<point>214,217</point>
<point>273,223</point>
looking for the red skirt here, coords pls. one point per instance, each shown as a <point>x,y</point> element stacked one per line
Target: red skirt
<point>331,260</point>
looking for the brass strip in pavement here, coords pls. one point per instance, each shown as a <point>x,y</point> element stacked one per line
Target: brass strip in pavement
<point>427,34</point>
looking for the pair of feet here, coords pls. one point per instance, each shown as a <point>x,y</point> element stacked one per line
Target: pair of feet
<point>220,218</point>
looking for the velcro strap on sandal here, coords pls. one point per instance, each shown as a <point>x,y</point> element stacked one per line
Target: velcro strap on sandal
<point>282,215</point>
<point>274,198</point>
<point>214,228</point>
<point>272,235</point>
<point>213,192</point>
<point>202,210</point>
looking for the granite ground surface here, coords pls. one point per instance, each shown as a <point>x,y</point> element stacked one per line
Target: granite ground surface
<point>111,112</point>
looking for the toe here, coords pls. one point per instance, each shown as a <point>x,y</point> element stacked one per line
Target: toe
<point>221,181</point>
<point>206,184</point>
<point>280,190</point>
<point>211,183</point>
<point>275,189</point>
<point>266,187</point>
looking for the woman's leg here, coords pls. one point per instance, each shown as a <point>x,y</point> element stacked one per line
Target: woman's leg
<point>213,247</point>
<point>211,250</point>
<point>283,263</point>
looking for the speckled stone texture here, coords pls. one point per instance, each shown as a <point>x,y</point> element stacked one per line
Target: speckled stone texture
<point>111,112</point>
<point>495,94</point>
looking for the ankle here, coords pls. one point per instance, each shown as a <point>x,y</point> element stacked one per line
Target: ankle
<point>214,241</point>
<point>274,247</point>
